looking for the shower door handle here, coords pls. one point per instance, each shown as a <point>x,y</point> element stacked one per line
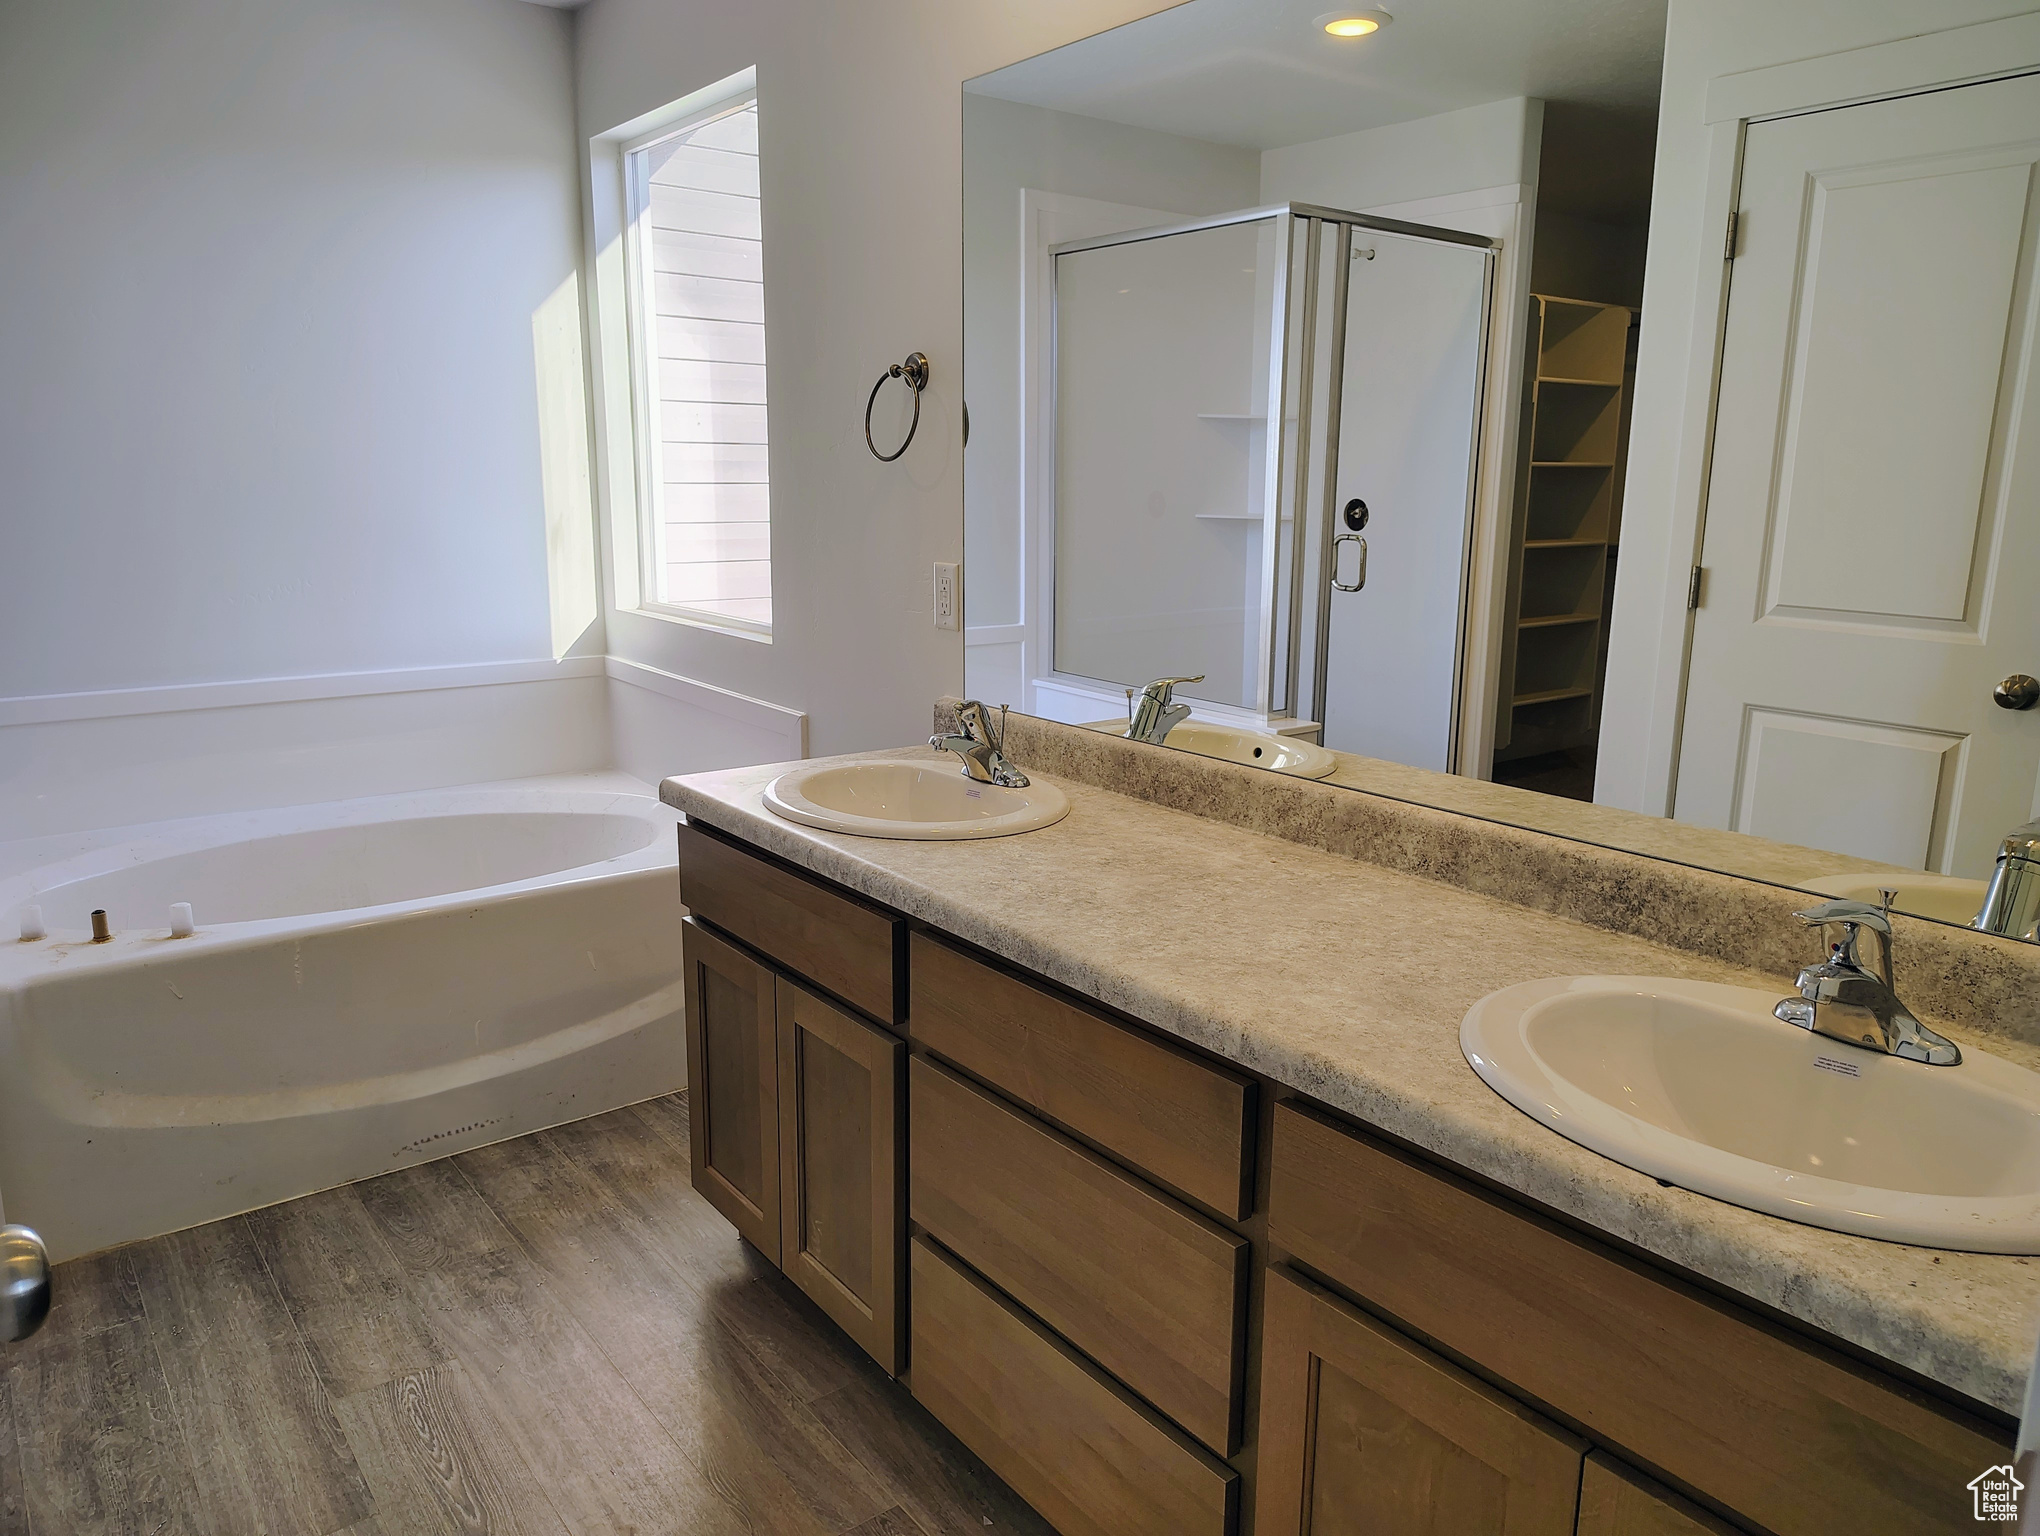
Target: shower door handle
<point>1360,577</point>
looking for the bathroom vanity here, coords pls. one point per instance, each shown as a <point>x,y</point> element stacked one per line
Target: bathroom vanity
<point>1179,1209</point>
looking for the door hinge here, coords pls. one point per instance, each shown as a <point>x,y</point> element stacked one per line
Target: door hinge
<point>1693,585</point>
<point>1734,232</point>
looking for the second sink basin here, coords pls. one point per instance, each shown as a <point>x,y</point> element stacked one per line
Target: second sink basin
<point>1697,1084</point>
<point>1948,898</point>
<point>1257,749</point>
<point>918,800</point>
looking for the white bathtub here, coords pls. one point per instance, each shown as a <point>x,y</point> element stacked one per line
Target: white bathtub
<point>372,983</point>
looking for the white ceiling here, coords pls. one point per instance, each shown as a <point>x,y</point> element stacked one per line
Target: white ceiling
<point>1262,73</point>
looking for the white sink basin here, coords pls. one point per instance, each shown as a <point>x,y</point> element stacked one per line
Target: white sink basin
<point>1698,1085</point>
<point>925,800</point>
<point>1231,744</point>
<point>1947,897</point>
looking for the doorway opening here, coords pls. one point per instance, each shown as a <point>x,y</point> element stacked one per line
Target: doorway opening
<point>1579,375</point>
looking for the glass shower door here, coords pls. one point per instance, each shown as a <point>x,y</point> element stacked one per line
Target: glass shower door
<point>1403,449</point>
<point>1167,530</point>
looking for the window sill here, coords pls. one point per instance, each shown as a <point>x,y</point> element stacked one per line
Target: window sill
<point>692,620</point>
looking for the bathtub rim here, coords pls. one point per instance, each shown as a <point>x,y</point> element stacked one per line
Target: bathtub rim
<point>69,951</point>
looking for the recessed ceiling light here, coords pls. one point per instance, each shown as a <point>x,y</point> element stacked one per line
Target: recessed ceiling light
<point>1354,23</point>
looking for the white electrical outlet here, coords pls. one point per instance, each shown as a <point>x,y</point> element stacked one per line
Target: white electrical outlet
<point>947,597</point>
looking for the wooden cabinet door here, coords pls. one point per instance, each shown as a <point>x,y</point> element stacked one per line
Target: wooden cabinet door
<point>1784,1432</point>
<point>733,1084</point>
<point>840,1183</point>
<point>1615,1501</point>
<point>1364,1431</point>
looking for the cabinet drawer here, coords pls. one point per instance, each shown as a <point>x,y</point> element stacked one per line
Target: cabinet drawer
<point>1363,1430</point>
<point>1143,1285</point>
<point>1076,1447</point>
<point>1786,1433</point>
<point>1175,1117</point>
<point>837,942</point>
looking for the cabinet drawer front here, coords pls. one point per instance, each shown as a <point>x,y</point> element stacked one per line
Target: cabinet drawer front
<point>1786,1433</point>
<point>1075,1446</point>
<point>1363,1430</point>
<point>733,1084</point>
<point>1183,1121</point>
<point>1140,1283</point>
<point>841,945</point>
<point>839,1164</point>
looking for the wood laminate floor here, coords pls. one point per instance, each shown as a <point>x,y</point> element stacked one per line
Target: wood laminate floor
<point>552,1335</point>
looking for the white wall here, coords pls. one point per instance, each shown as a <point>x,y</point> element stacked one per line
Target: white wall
<point>860,119</point>
<point>279,276</point>
<point>72,762</point>
<point>1492,145</point>
<point>1704,39</point>
<point>1578,258</point>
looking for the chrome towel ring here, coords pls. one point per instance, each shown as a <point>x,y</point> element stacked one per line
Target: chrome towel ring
<point>915,371</point>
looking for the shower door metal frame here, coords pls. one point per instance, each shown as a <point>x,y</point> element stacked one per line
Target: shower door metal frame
<point>1490,249</point>
<point>1287,466</point>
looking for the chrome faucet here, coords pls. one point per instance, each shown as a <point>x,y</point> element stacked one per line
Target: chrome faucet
<point>2012,904</point>
<point>1156,716</point>
<point>1844,1000</point>
<point>982,749</point>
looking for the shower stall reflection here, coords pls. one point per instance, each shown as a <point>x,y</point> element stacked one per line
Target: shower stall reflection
<point>1228,396</point>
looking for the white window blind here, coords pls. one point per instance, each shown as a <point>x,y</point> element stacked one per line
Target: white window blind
<point>698,339</point>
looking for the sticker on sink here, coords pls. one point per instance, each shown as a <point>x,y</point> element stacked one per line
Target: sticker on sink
<point>1839,1068</point>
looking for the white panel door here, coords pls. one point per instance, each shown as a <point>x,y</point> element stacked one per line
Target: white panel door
<point>1873,520</point>
<point>1409,416</point>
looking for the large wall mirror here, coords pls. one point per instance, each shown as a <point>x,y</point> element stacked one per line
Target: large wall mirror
<point>1301,368</point>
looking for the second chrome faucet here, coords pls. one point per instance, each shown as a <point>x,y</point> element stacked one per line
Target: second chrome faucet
<point>1155,716</point>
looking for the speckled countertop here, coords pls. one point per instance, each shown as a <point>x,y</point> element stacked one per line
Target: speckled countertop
<point>1347,981</point>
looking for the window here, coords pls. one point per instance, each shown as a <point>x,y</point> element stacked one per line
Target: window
<point>697,320</point>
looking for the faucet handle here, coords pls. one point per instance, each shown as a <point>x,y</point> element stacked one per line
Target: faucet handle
<point>1861,913</point>
<point>1855,916</point>
<point>975,721</point>
<point>1162,689</point>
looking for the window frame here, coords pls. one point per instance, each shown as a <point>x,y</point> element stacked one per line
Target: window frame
<point>640,311</point>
